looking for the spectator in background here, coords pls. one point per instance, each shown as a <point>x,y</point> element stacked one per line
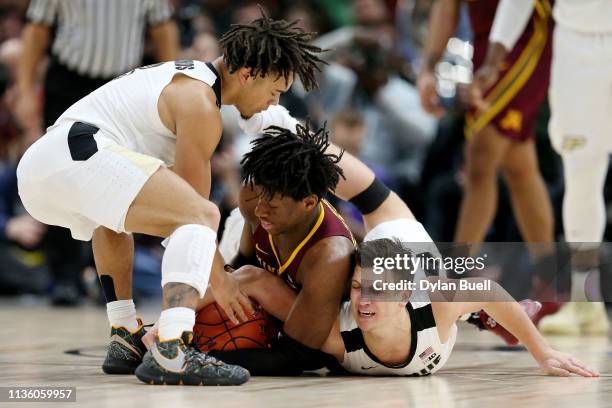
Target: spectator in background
<point>23,266</point>
<point>91,43</point>
<point>205,47</point>
<point>22,262</point>
<point>364,76</point>
<point>11,21</point>
<point>9,132</point>
<point>347,131</point>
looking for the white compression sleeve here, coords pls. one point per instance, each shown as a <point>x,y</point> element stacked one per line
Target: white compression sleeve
<point>189,255</point>
<point>511,18</point>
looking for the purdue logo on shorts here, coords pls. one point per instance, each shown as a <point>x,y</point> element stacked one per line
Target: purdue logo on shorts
<point>573,142</point>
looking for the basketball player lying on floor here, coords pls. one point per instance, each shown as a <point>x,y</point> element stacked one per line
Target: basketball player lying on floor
<point>368,337</point>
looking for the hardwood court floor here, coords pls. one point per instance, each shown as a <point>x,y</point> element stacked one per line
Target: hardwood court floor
<point>34,341</point>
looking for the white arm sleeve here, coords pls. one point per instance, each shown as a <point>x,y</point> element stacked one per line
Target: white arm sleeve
<point>275,115</point>
<point>511,18</point>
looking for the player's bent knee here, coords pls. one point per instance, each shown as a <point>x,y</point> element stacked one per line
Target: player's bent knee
<point>189,255</point>
<point>202,212</point>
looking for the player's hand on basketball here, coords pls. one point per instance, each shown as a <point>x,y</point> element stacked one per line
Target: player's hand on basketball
<point>232,300</point>
<point>560,364</point>
<point>483,79</point>
<point>430,100</point>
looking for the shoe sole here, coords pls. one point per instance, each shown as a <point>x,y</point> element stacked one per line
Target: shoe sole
<point>114,367</point>
<point>180,379</point>
<point>558,329</point>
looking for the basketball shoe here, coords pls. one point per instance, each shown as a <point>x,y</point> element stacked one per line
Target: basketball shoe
<point>177,362</point>
<point>125,350</point>
<point>576,318</point>
<point>485,322</point>
<point>580,316</point>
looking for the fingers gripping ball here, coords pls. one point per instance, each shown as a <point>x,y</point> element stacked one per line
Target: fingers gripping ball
<point>214,331</point>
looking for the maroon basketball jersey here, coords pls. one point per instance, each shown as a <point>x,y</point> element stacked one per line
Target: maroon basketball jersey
<point>482,14</point>
<point>328,224</point>
<point>517,96</point>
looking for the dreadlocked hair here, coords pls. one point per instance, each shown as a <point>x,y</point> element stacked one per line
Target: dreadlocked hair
<point>272,46</point>
<point>292,164</point>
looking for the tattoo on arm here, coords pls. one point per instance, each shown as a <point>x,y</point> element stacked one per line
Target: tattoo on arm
<point>180,295</point>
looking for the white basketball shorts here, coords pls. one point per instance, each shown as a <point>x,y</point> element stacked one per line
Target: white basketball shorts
<point>581,93</point>
<point>78,178</point>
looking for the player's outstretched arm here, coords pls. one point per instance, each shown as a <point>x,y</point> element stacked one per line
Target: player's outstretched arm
<point>507,312</point>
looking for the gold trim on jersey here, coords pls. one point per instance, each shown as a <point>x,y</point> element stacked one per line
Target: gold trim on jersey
<point>517,76</point>
<point>282,267</point>
<point>341,218</point>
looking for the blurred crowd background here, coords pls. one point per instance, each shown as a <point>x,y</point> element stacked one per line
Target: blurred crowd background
<point>367,98</point>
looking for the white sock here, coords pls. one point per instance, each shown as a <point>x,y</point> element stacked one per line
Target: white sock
<point>174,321</point>
<point>122,313</point>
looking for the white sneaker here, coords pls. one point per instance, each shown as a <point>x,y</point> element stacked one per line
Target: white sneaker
<point>592,318</point>
<point>564,322</point>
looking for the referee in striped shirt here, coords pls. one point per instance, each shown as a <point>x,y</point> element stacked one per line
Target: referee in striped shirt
<point>92,41</point>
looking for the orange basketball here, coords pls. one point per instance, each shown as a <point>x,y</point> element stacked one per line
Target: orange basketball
<point>214,331</point>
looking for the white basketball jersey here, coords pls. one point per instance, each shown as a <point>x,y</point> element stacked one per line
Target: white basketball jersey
<point>427,353</point>
<point>412,232</point>
<point>126,107</point>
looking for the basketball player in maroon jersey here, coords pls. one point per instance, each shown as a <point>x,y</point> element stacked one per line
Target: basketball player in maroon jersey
<point>505,100</point>
<point>293,233</point>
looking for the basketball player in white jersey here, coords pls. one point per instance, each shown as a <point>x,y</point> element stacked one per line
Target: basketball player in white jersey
<point>581,132</point>
<point>134,156</point>
<point>402,337</point>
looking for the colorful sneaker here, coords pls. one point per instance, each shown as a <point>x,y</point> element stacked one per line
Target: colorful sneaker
<point>486,322</point>
<point>177,362</point>
<point>125,350</point>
